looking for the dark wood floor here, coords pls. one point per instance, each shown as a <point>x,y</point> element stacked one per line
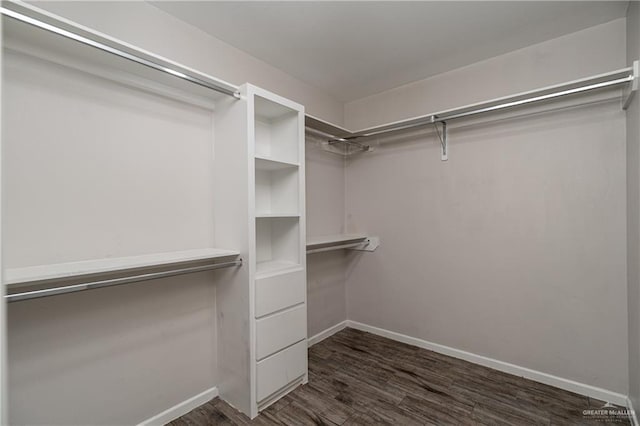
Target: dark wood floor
<point>357,378</point>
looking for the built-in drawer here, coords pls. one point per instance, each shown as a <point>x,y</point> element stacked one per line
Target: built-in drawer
<point>279,292</point>
<point>279,370</point>
<point>280,330</point>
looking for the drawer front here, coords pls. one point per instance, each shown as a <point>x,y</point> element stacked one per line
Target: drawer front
<point>279,370</point>
<point>279,292</point>
<point>280,330</point>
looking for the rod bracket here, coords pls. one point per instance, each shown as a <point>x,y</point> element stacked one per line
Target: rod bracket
<point>444,145</point>
<point>631,88</point>
<point>370,244</point>
<point>345,146</point>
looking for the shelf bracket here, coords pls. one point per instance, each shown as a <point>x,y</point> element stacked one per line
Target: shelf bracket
<point>444,145</point>
<point>370,244</point>
<point>631,88</point>
<point>347,144</point>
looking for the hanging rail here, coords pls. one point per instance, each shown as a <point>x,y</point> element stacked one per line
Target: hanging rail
<point>35,294</point>
<point>110,46</point>
<point>624,77</point>
<point>338,247</point>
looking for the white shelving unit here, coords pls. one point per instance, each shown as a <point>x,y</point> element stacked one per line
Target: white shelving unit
<point>280,268</point>
<point>262,310</point>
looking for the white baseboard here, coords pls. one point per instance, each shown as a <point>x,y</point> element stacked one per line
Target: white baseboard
<point>181,408</point>
<point>326,333</point>
<point>634,417</point>
<point>538,376</point>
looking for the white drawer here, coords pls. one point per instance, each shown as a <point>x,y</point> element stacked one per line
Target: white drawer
<point>280,330</point>
<point>279,292</point>
<point>279,370</point>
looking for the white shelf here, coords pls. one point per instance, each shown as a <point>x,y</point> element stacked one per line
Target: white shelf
<point>329,240</point>
<point>118,264</point>
<point>270,164</point>
<point>274,267</point>
<point>265,215</point>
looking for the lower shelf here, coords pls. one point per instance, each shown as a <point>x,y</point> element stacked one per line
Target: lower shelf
<point>43,273</point>
<point>273,267</point>
<point>331,240</point>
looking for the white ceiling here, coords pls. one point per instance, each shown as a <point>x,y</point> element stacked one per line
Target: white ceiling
<point>355,49</point>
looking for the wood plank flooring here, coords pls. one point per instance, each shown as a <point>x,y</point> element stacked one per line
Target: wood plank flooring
<point>357,378</point>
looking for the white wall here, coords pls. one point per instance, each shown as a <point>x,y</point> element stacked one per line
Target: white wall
<point>326,298</point>
<point>515,248</point>
<point>112,356</point>
<point>123,354</point>
<point>633,211</point>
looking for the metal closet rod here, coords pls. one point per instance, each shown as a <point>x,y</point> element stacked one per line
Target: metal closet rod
<point>444,117</point>
<point>35,294</point>
<point>615,78</point>
<point>165,68</point>
<point>336,247</point>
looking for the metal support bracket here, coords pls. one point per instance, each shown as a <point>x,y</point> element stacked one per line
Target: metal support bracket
<point>444,145</point>
<point>631,88</point>
<point>370,244</point>
<point>347,146</point>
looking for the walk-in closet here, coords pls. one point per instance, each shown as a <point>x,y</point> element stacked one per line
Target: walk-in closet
<point>320,213</point>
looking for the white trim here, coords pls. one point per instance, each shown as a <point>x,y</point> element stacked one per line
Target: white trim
<point>181,408</point>
<point>327,333</point>
<point>538,376</point>
<point>634,417</point>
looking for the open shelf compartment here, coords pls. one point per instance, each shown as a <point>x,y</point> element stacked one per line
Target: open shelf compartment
<point>276,132</point>
<point>277,244</point>
<point>277,191</point>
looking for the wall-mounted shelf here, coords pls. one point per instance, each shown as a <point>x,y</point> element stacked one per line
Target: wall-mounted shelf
<point>77,270</point>
<point>342,241</point>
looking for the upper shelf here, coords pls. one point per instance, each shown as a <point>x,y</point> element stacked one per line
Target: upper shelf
<point>35,31</point>
<point>85,268</point>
